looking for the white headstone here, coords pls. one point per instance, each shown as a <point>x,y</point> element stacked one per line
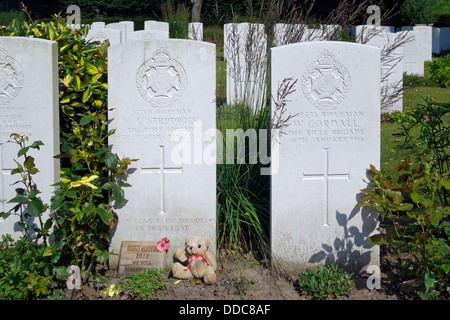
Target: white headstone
<point>444,42</point>
<point>28,106</point>
<point>195,31</point>
<point>391,67</point>
<point>129,29</point>
<point>289,33</point>
<point>121,27</point>
<point>417,51</point>
<point>153,25</point>
<point>112,35</point>
<point>147,35</point>
<point>324,154</point>
<point>157,89</point>
<point>436,39</point>
<point>245,47</point>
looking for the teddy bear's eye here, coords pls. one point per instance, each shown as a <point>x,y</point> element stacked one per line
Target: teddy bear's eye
<point>199,245</point>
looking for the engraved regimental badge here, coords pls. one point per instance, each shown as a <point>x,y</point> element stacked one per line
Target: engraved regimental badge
<point>11,77</point>
<point>161,80</point>
<point>326,82</point>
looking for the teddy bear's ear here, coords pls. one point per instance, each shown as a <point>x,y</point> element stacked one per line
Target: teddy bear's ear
<point>207,242</point>
<point>189,239</point>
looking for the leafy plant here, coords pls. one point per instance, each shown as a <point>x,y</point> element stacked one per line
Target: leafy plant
<point>91,176</point>
<point>28,265</point>
<point>145,285</point>
<point>440,71</point>
<point>416,223</point>
<point>426,138</point>
<point>327,282</point>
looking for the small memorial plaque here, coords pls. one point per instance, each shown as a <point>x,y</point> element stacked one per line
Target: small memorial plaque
<point>136,256</point>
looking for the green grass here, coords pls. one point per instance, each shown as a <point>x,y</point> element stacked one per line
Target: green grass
<point>412,96</point>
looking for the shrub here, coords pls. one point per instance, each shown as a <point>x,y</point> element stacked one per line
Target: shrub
<point>440,71</point>
<point>416,222</point>
<point>27,266</point>
<point>82,204</point>
<point>327,282</point>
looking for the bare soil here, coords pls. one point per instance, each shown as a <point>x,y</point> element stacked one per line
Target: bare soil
<point>244,280</point>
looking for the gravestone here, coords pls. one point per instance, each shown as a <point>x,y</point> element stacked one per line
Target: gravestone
<point>153,25</point>
<point>324,154</point>
<point>162,93</point>
<point>120,27</point>
<point>436,40</point>
<point>245,54</point>
<point>289,33</point>
<point>28,106</point>
<point>444,43</point>
<point>195,31</point>
<point>147,35</point>
<point>102,34</point>
<point>417,51</point>
<point>391,66</point>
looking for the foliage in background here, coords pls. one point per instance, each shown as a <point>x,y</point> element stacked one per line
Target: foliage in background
<point>419,12</point>
<point>327,282</point>
<point>7,16</point>
<point>178,17</point>
<point>440,71</point>
<point>243,211</point>
<point>82,206</point>
<point>426,139</point>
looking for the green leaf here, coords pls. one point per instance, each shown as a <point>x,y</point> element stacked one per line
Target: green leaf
<point>110,160</point>
<point>405,207</point>
<point>57,202</point>
<point>119,196</point>
<point>37,144</point>
<point>85,120</point>
<point>92,69</point>
<point>29,162</point>
<point>436,215</point>
<point>108,185</point>
<point>430,277</point>
<point>416,197</point>
<point>377,239</point>
<point>22,151</point>
<point>18,199</point>
<point>445,183</point>
<point>35,207</point>
<point>104,214</point>
<point>87,94</point>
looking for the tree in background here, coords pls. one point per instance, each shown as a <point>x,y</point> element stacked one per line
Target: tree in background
<point>419,12</point>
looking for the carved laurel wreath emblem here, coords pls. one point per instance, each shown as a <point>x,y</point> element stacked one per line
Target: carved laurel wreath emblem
<point>326,82</point>
<point>11,77</point>
<point>161,80</point>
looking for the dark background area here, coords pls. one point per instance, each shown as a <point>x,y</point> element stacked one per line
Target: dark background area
<point>151,9</point>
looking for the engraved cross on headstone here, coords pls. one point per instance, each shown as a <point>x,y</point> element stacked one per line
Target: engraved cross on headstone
<point>409,63</point>
<point>162,170</point>
<point>326,176</point>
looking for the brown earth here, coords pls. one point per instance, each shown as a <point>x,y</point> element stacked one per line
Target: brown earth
<point>245,280</point>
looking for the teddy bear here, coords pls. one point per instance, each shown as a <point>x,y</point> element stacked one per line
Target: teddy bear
<point>196,261</point>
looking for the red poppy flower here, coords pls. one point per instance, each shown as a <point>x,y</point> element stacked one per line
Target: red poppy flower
<point>163,245</point>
